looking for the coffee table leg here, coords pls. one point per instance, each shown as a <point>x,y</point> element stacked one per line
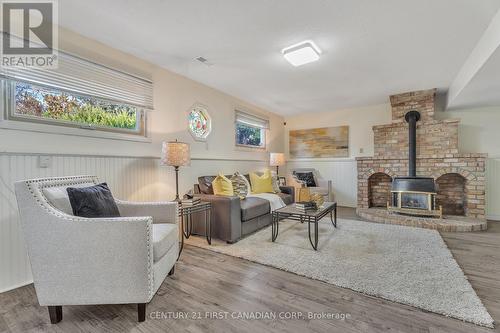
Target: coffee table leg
<point>315,243</point>
<point>274,223</point>
<point>316,234</point>
<point>334,219</point>
<point>208,226</point>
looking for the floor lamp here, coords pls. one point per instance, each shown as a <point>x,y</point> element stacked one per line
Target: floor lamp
<point>176,154</point>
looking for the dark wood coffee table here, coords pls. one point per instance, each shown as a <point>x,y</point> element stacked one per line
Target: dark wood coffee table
<point>291,213</point>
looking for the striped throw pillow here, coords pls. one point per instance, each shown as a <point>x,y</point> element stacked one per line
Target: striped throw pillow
<point>241,186</point>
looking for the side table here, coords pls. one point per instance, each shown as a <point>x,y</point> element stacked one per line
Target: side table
<point>186,215</point>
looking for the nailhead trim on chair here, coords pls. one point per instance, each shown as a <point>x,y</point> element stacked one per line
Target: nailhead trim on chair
<point>35,186</point>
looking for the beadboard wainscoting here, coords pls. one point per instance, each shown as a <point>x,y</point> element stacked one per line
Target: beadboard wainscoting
<point>493,188</point>
<point>342,173</point>
<point>130,178</point>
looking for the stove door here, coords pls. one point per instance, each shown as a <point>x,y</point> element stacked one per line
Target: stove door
<point>414,200</point>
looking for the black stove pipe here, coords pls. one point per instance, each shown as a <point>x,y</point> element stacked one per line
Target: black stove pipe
<point>412,117</point>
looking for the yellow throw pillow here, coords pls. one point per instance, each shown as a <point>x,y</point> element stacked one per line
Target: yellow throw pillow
<point>261,184</point>
<point>222,185</point>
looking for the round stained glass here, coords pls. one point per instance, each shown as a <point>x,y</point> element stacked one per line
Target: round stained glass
<point>199,123</point>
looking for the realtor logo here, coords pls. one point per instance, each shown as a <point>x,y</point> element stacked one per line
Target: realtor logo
<point>29,33</point>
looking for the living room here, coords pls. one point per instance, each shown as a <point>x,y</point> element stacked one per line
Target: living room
<point>268,166</point>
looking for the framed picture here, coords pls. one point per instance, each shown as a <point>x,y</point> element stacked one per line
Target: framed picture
<point>282,181</point>
<point>320,142</point>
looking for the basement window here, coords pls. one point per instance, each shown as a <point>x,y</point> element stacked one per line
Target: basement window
<point>35,103</point>
<point>79,97</point>
<point>250,130</point>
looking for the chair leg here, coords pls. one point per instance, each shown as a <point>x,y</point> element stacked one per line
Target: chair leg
<point>141,312</point>
<point>172,271</point>
<point>55,314</point>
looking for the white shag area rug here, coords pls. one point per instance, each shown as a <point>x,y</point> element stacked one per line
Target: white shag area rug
<point>403,264</point>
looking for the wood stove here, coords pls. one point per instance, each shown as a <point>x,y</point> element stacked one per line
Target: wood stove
<point>413,195</point>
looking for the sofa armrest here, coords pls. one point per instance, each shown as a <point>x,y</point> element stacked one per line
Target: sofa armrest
<point>288,190</point>
<point>161,212</point>
<point>226,216</point>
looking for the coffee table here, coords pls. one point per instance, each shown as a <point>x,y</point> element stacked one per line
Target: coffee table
<point>291,213</point>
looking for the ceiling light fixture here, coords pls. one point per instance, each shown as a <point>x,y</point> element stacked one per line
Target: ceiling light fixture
<point>301,53</point>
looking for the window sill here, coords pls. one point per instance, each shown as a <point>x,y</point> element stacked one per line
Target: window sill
<point>250,149</point>
<point>60,130</point>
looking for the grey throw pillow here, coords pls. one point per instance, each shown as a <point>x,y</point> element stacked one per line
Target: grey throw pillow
<point>93,201</point>
<point>306,177</point>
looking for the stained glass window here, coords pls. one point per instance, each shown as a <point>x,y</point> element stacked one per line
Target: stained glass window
<point>199,122</point>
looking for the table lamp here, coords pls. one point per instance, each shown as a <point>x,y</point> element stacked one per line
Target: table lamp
<point>176,154</point>
<point>277,159</point>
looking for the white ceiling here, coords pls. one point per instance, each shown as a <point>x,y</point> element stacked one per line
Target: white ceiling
<point>371,49</point>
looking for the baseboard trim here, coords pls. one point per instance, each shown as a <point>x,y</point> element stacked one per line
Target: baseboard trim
<point>19,285</point>
<point>493,217</point>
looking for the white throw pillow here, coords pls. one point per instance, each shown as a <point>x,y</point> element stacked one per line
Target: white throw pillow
<point>275,181</point>
<point>58,197</point>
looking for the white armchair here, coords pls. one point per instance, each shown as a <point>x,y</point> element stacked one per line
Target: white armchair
<point>77,260</point>
<point>323,186</point>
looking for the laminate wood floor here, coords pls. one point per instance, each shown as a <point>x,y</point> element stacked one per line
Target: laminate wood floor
<point>207,285</point>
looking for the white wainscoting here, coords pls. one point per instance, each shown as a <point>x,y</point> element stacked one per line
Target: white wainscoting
<point>493,188</point>
<point>131,178</point>
<point>342,172</point>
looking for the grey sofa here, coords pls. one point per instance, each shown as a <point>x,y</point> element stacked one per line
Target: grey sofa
<point>233,218</point>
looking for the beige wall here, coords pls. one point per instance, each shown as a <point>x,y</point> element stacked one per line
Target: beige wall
<point>479,129</point>
<point>359,120</point>
<point>173,96</point>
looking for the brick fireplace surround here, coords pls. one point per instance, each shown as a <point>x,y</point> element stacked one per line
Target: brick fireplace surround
<point>460,177</point>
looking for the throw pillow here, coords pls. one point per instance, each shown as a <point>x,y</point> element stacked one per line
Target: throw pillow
<point>276,184</point>
<point>306,177</point>
<point>241,186</point>
<point>222,185</point>
<point>261,184</point>
<point>93,201</point>
<point>58,197</point>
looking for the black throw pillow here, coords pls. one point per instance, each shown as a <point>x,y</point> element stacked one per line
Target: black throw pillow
<point>306,177</point>
<point>93,201</point>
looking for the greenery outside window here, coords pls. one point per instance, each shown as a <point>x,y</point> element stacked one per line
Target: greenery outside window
<point>35,103</point>
<point>250,130</point>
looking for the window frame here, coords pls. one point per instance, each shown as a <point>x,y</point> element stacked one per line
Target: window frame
<point>10,120</point>
<point>263,131</point>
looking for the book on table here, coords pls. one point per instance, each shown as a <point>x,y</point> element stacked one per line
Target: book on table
<point>190,202</point>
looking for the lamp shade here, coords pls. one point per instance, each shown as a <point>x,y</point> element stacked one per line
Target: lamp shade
<point>277,159</point>
<point>175,153</point>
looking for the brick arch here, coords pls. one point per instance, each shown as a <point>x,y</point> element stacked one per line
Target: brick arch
<point>464,173</point>
<point>370,172</point>
<point>379,189</point>
<point>452,193</point>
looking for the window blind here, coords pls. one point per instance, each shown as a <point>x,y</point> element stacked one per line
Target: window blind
<point>249,119</point>
<point>84,77</point>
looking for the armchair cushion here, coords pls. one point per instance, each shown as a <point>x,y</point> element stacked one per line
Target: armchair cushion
<point>165,235</point>
<point>93,201</point>
<point>319,190</point>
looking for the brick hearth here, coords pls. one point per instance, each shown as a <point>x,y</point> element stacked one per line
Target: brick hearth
<point>460,177</point>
